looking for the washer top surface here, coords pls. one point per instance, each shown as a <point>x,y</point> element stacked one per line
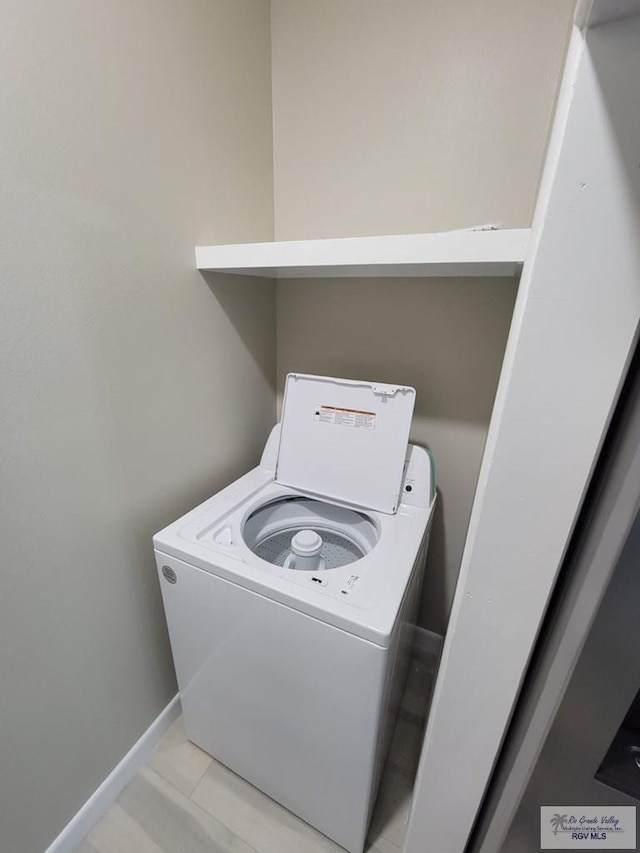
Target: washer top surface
<point>344,439</point>
<point>263,535</point>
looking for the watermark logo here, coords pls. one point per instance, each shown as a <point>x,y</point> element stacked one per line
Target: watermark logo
<point>588,827</point>
<point>558,822</point>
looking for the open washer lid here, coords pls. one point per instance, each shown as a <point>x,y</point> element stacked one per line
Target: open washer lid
<point>345,439</point>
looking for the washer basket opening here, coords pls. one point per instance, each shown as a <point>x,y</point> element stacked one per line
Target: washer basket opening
<point>302,534</point>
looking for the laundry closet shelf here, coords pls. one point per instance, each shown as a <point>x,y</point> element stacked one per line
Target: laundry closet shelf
<point>447,253</point>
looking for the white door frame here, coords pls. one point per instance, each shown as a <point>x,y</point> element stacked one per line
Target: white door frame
<point>573,331</point>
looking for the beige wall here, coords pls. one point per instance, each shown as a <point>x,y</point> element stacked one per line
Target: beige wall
<point>443,336</point>
<point>130,388</point>
<point>399,118</point>
<point>412,115</point>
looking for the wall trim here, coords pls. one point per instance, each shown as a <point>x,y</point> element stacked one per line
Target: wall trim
<point>106,794</point>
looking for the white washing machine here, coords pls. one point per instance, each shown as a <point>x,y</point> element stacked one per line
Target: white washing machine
<point>290,598</point>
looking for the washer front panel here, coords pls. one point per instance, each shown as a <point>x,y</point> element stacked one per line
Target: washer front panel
<point>291,704</point>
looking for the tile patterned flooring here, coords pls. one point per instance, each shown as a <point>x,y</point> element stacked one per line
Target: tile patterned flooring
<point>183,801</point>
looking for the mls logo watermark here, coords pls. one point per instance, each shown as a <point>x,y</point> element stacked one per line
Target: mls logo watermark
<point>588,827</point>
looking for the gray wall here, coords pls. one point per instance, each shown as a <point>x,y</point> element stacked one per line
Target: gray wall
<point>399,118</point>
<point>130,387</point>
<point>411,115</point>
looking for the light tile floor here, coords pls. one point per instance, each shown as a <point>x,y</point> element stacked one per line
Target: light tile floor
<point>183,801</point>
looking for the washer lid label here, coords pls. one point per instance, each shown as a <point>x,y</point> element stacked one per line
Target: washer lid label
<point>345,440</point>
<point>345,417</point>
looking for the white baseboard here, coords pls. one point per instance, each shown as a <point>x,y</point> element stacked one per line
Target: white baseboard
<point>104,797</point>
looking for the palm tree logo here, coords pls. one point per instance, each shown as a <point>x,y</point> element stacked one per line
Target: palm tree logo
<point>557,822</point>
